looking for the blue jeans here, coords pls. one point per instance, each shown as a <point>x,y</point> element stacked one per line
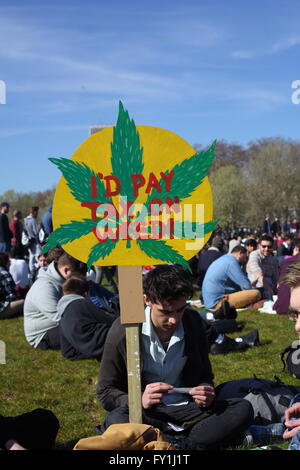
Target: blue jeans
<point>295,442</point>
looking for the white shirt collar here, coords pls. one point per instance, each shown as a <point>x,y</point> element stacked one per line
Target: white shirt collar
<point>148,330</point>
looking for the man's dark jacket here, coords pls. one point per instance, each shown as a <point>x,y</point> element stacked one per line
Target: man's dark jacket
<point>281,306</point>
<point>5,232</point>
<point>112,387</point>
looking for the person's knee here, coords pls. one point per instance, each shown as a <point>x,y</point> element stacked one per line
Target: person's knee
<point>117,416</point>
<point>244,410</point>
<point>258,295</point>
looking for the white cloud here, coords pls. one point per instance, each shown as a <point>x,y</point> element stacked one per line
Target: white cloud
<point>285,43</point>
<point>243,54</point>
<point>190,32</point>
<point>38,129</point>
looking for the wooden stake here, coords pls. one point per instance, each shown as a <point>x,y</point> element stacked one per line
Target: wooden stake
<point>132,314</point>
<point>134,373</point>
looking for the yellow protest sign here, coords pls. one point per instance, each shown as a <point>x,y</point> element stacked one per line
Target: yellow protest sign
<point>133,195</point>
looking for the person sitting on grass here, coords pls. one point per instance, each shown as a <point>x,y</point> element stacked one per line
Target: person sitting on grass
<point>41,318</point>
<point>172,334</point>
<point>10,305</point>
<point>34,430</point>
<point>281,305</point>
<point>262,268</point>
<point>83,326</point>
<point>292,414</point>
<point>225,280</point>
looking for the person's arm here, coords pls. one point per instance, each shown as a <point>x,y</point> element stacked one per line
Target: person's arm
<point>11,444</point>
<point>45,297</point>
<point>236,275</point>
<point>254,270</point>
<point>112,387</point>
<point>275,274</point>
<point>292,421</point>
<point>203,395</point>
<point>153,393</point>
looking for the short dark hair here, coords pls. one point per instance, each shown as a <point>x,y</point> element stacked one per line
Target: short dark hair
<point>239,248</point>
<point>74,264</point>
<point>267,238</point>
<point>54,254</point>
<point>76,284</point>
<point>251,242</point>
<point>167,282</point>
<point>4,204</point>
<point>33,209</point>
<point>287,236</point>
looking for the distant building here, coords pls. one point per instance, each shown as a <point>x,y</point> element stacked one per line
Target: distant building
<point>98,127</point>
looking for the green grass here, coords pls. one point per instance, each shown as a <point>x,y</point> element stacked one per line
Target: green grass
<point>34,378</point>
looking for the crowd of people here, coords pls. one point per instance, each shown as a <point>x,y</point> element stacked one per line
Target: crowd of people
<point>64,308</point>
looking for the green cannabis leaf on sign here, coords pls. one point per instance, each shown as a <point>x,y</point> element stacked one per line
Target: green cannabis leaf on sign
<point>127,160</point>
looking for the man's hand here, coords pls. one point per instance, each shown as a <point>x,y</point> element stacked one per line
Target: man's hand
<point>153,393</point>
<point>11,444</point>
<point>292,412</point>
<point>203,395</point>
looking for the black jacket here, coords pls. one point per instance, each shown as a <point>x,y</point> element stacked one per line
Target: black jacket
<point>83,330</point>
<point>5,232</point>
<point>112,387</point>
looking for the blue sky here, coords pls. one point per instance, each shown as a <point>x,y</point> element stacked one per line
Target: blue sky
<point>203,69</point>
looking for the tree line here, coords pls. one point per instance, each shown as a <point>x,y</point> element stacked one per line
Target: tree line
<point>24,201</point>
<point>247,183</point>
<point>250,182</point>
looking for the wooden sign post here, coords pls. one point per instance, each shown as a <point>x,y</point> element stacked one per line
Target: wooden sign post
<point>133,196</point>
<point>132,315</point>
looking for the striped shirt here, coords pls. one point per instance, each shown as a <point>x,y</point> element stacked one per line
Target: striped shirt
<point>7,289</point>
<point>259,265</point>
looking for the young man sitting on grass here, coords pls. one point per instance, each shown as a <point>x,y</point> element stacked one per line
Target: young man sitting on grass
<point>174,354</point>
<point>83,326</point>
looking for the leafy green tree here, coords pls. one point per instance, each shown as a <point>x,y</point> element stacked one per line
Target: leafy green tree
<point>228,195</point>
<point>272,175</point>
<point>23,201</point>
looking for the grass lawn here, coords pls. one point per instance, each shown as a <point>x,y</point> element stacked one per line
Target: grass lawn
<point>33,378</point>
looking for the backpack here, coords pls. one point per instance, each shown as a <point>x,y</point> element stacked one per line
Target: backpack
<point>292,361</point>
<point>25,239</point>
<point>126,436</point>
<point>42,235</point>
<point>269,399</point>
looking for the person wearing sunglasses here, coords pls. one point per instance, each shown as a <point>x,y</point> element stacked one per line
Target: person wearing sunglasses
<point>262,268</point>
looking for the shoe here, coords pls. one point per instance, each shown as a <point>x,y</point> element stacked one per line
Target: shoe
<point>252,338</point>
<point>181,442</point>
<point>225,326</point>
<point>267,434</point>
<point>225,311</point>
<point>228,345</point>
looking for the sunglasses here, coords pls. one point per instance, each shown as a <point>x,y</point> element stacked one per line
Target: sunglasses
<point>267,246</point>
